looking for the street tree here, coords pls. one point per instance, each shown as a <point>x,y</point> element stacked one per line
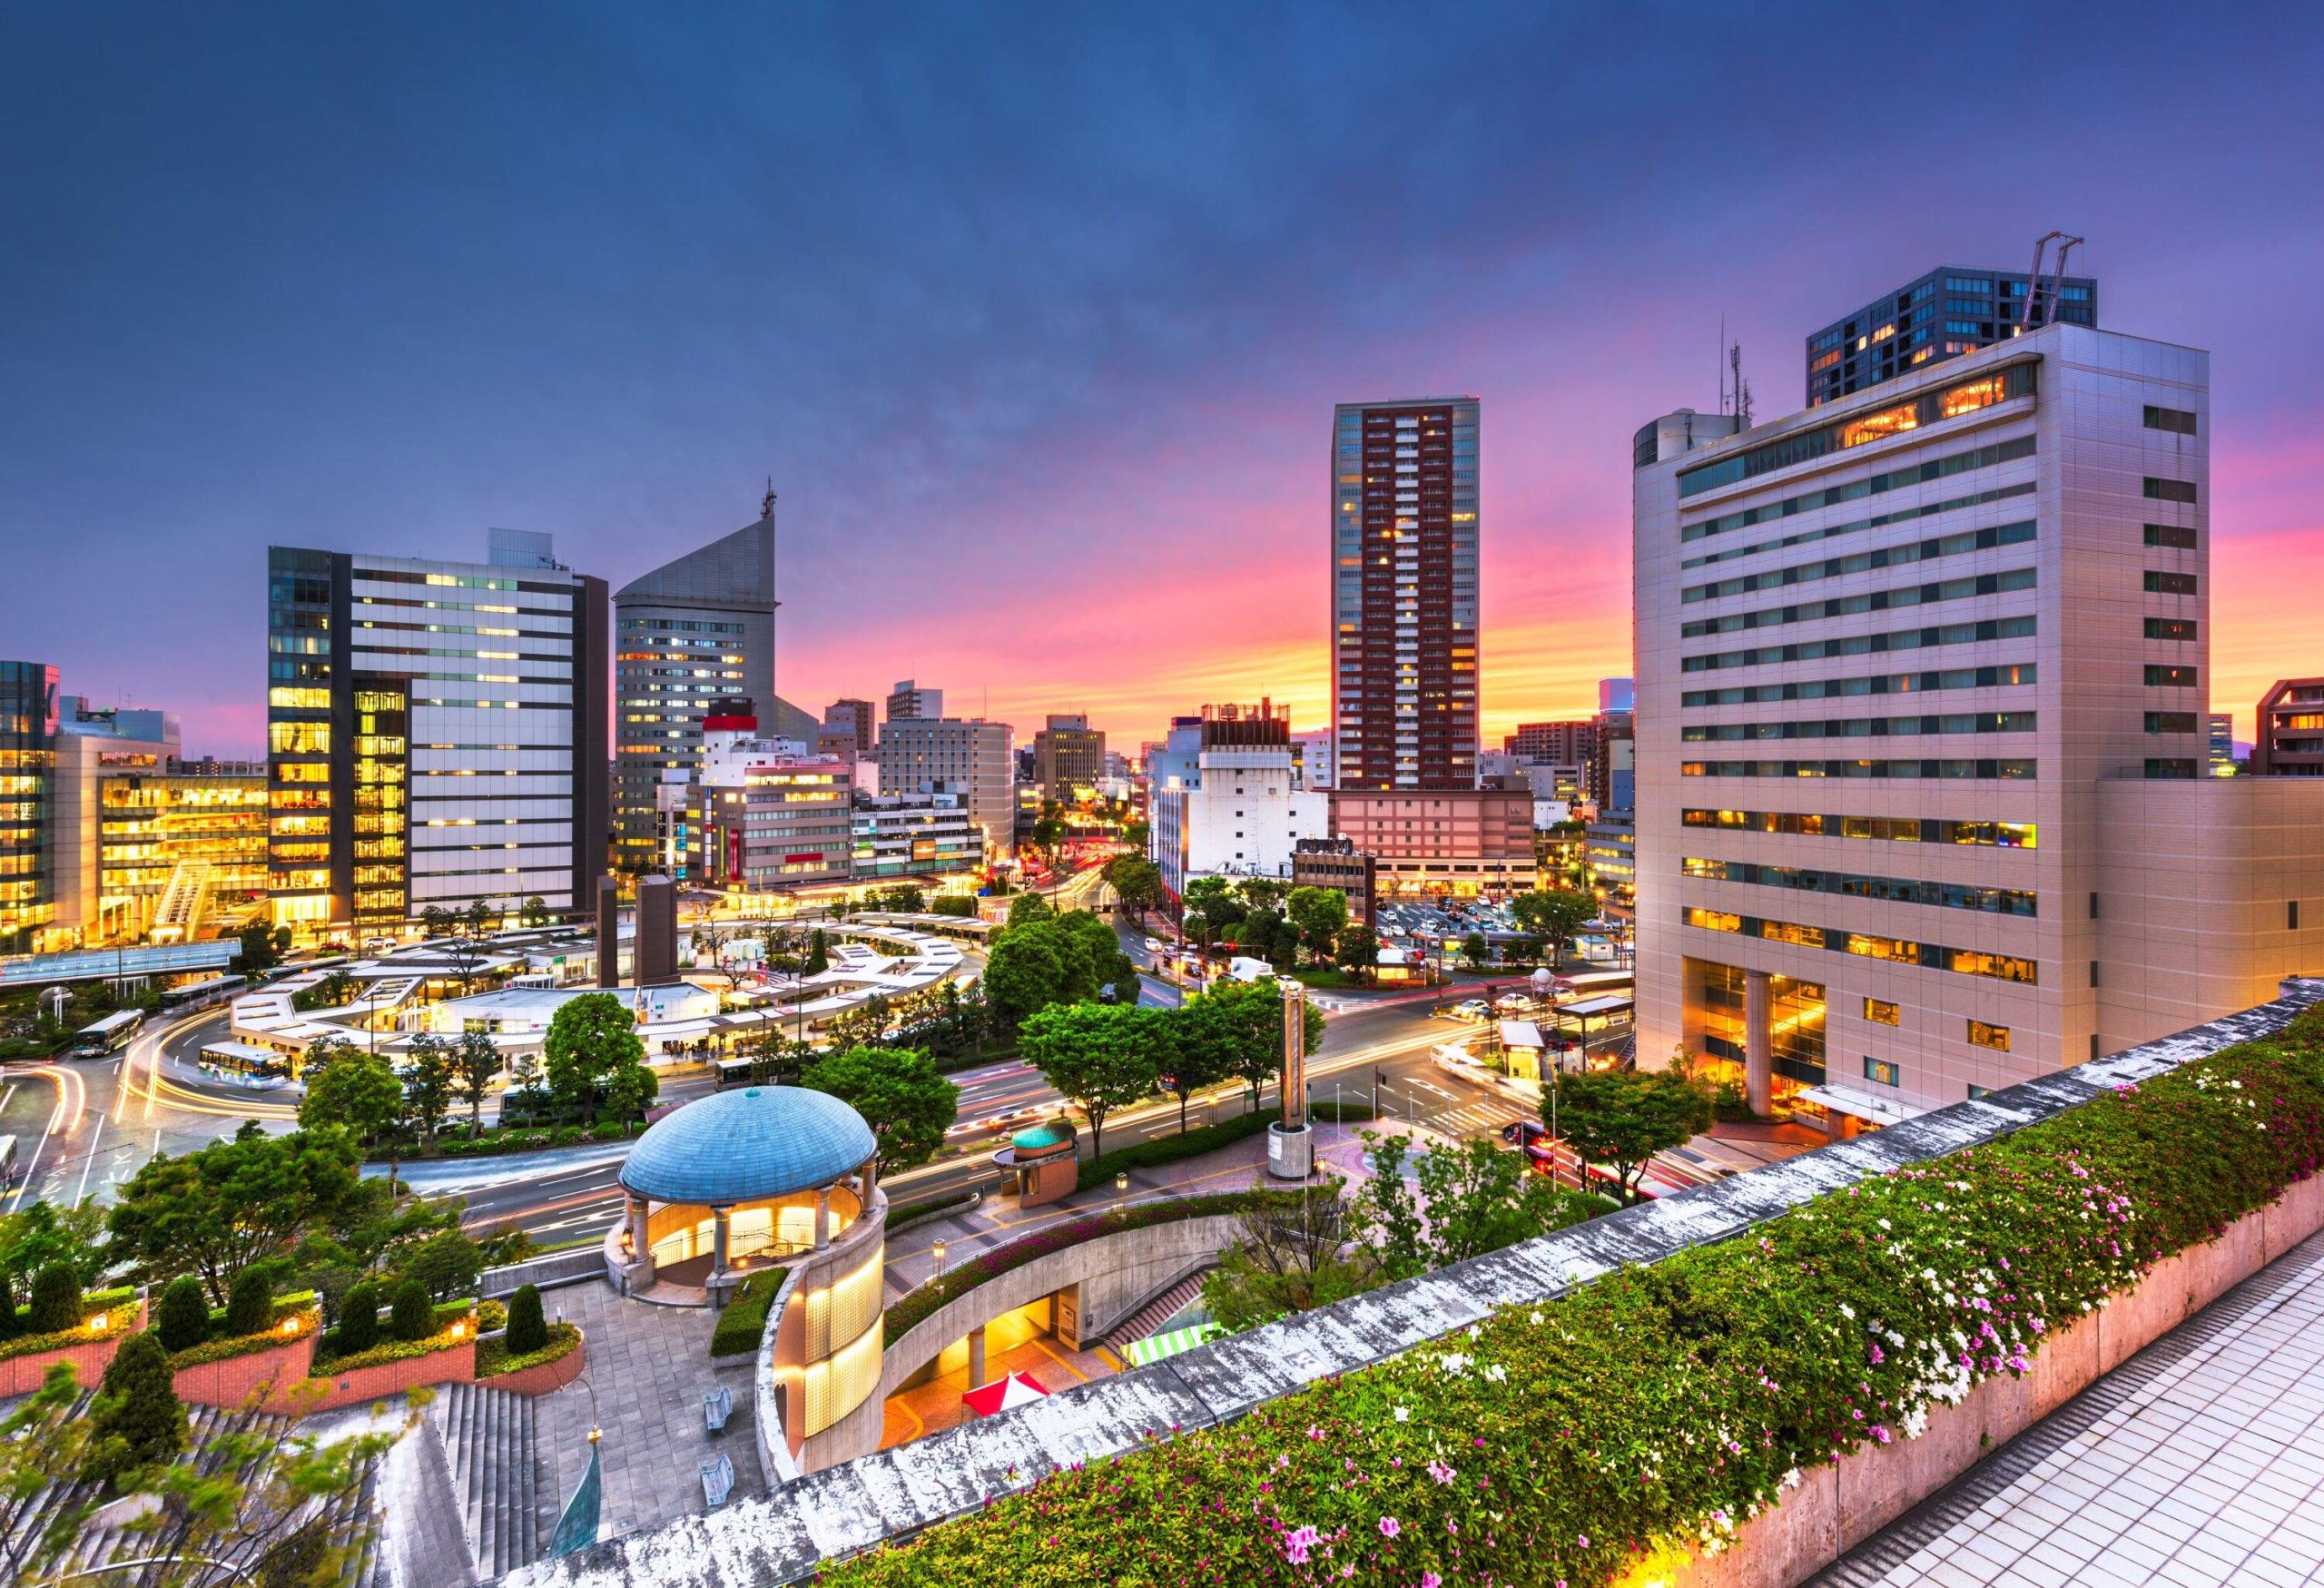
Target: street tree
<point>630,1090</point>
<point>1623,1118</point>
<point>1237,1027</point>
<point>1185,1068</point>
<point>1264,892</point>
<point>351,1089</point>
<point>474,1062</point>
<point>478,915</point>
<point>1027,908</point>
<point>428,1080</point>
<point>217,1211</point>
<point>1357,951</point>
<point>536,910</point>
<point>1099,1056</point>
<point>1292,1253</point>
<point>1554,914</point>
<point>435,921</point>
<point>1136,880</point>
<point>1218,901</point>
<point>1194,926</point>
<point>1475,950</point>
<point>901,1095</point>
<point>588,1039</point>
<point>1321,915</point>
<point>1479,1198</point>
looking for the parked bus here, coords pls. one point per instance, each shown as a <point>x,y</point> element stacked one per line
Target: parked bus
<point>239,1063</point>
<point>202,994</point>
<point>1594,984</point>
<point>109,1035</point>
<point>733,1072</point>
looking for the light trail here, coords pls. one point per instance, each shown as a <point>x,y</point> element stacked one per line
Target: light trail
<point>72,1095</point>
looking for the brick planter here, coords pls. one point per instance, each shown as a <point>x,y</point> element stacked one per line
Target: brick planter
<point>542,1376</point>
<point>90,1359</point>
<point>232,1381</point>
<point>1838,1506</point>
<point>453,1364</point>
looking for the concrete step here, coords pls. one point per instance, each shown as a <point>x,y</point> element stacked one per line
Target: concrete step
<point>1148,1320</point>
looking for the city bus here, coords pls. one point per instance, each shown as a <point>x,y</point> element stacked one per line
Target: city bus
<point>109,1035</point>
<point>1595,984</point>
<point>241,1064</point>
<point>202,994</point>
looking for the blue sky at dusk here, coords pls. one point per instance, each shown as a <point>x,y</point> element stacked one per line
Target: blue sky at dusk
<point>1038,315</point>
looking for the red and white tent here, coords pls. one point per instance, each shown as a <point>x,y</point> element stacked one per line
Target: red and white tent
<point>1016,1390</point>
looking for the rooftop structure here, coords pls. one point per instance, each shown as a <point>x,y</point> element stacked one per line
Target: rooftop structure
<point>735,1146</point>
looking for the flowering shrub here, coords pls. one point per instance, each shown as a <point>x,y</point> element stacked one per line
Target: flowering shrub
<point>120,1306</point>
<point>991,1264</point>
<point>1662,1406</point>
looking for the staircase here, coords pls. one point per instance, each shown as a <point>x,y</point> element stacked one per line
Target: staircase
<point>184,900</point>
<point>1148,1320</point>
<point>497,1471</point>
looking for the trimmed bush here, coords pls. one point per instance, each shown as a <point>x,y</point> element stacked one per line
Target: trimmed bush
<point>905,1213</point>
<point>528,1332</point>
<point>358,1319</point>
<point>1594,1436</point>
<point>411,1317</point>
<point>137,1420</point>
<point>56,1300</point>
<point>250,1305</point>
<point>744,1320</point>
<point>1162,1150</point>
<point>493,1357</point>
<point>181,1318</point>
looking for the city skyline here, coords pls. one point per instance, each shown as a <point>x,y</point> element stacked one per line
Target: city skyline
<point>345,341</point>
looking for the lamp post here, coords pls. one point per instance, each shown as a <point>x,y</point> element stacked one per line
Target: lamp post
<point>937,1251</point>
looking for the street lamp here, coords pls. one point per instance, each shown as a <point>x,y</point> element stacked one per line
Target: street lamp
<point>937,1251</point>
<point>1121,1180</point>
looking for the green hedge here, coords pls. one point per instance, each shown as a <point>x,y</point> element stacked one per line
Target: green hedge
<point>1154,1151</point>
<point>1599,1435</point>
<point>744,1320</point>
<point>492,1359</point>
<point>300,1304</point>
<point>384,1352</point>
<point>904,1213</point>
<point>92,1303</point>
<point>991,1264</point>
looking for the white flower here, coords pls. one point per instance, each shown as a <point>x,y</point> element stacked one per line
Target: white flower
<point>1403,1414</point>
<point>1497,1372</point>
<point>1846,1311</point>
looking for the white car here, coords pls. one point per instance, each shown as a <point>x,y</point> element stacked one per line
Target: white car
<point>1153,945</point>
<point>1473,1009</point>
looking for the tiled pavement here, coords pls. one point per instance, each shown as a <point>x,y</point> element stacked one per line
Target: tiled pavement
<point>2198,1464</point>
<point>650,1366</point>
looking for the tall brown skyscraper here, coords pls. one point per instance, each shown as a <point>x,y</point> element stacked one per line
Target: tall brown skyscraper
<point>1405,594</point>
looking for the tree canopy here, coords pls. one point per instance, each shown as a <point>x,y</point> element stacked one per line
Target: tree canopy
<point>1554,913</point>
<point>901,1095</point>
<point>1321,915</point>
<point>588,1040</point>
<point>217,1211</point>
<point>1622,1118</point>
<point>1100,1057</point>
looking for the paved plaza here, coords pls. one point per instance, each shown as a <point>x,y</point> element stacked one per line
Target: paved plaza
<point>2198,1464</point>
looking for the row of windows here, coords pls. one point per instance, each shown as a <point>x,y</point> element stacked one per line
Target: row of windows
<point>2176,419</point>
<point>1893,890</point>
<point>2006,768</point>
<point>464,582</point>
<point>1930,408</point>
<point>2176,535</point>
<point>1832,567</point>
<point>659,625</point>
<point>1877,521</point>
<point>2170,491</point>
<point>1857,645</point>
<point>1902,951</point>
<point>1894,479</point>
<point>2170,628</point>
<point>1876,683</point>
<point>1958,589</point>
<point>1896,829</point>
<point>1863,727</point>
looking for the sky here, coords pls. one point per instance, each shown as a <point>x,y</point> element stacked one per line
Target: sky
<point>1037,315</point>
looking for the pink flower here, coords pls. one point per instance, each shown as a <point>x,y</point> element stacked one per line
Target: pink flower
<point>1389,1527</point>
<point>1440,1472</point>
<point>1430,1580</point>
<point>1314,1432</point>
<point>1585,1541</point>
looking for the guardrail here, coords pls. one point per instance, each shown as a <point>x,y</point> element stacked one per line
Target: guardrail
<point>546,1273</point>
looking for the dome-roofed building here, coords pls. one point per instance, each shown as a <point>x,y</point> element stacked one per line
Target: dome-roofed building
<point>737,1182</point>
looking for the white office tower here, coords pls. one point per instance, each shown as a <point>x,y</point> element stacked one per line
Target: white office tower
<point>1898,657</point>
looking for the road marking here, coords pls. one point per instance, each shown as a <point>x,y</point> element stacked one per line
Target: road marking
<point>89,1161</point>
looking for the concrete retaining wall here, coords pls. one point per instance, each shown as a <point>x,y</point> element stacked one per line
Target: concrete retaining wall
<point>546,1273</point>
<point>1838,1506</point>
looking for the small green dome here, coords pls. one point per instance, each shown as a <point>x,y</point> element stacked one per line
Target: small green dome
<point>1034,1137</point>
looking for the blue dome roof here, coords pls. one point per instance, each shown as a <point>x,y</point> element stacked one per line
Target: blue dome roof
<point>744,1146</point>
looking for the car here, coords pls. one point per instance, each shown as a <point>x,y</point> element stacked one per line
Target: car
<point>1512,1003</point>
<point>1473,1009</point>
<point>1153,945</point>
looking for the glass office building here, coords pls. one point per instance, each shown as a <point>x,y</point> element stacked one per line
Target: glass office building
<point>1949,311</point>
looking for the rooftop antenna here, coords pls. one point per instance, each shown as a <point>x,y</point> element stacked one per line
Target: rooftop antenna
<point>2033,281</point>
<point>1742,389</point>
<point>1721,362</point>
<point>767,503</point>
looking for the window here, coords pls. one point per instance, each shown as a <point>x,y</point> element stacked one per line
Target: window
<point>2166,766</point>
<point>2158,583</point>
<point>2017,381</point>
<point>2291,915</point>
<point>2170,491</point>
<point>2171,677</point>
<point>2171,722</point>
<point>1982,1035</point>
<point>2176,537</point>
<point>1976,1092</point>
<point>2176,419</point>
<point>2093,972</point>
<point>2170,628</point>
<point>1881,1013</point>
<point>1887,1072</point>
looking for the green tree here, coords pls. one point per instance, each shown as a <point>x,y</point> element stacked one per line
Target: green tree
<point>1321,915</point>
<point>258,953</point>
<point>1292,1254</point>
<point>215,1211</point>
<point>1238,1026</point>
<point>527,1330</point>
<point>1028,908</point>
<point>446,1262</point>
<point>1136,880</point>
<point>41,1438</point>
<point>588,1039</point>
<point>1023,975</point>
<point>1383,1214</point>
<point>819,954</point>
<point>1480,1198</point>
<point>1217,899</point>
<point>435,921</point>
<point>427,1083</point>
<point>40,1234</point>
<point>1264,892</point>
<point>350,1089</point>
<point>1357,951</point>
<point>137,1420</point>
<point>901,1095</point>
<point>1194,927</point>
<point>536,910</point>
<point>358,1319</point>
<point>630,1091</point>
<point>1622,1118</point>
<point>1099,1056</point>
<point>478,915</point>
<point>1137,834</point>
<point>1476,950</point>
<point>475,1064</point>
<point>1554,914</point>
<point>182,1318</point>
<point>57,1301</point>
<point>250,1305</point>
<point>412,1315</point>
<point>1186,1068</point>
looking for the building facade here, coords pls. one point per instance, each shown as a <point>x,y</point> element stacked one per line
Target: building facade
<point>1463,843</point>
<point>1068,754</point>
<point>91,746</point>
<point>2017,540</point>
<point>1336,863</point>
<point>774,817</point>
<point>1244,816</point>
<point>2218,728</point>
<point>1562,743</point>
<point>1404,601</point>
<point>28,709</point>
<point>908,701</point>
<point>181,848</point>
<point>970,758</point>
<point>435,732</point>
<point>1950,311</point>
<point>691,632</point>
<point>913,834</point>
<point>2287,736</point>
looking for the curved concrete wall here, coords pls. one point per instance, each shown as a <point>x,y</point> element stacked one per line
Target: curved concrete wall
<point>1113,1274</point>
<point>783,1349</point>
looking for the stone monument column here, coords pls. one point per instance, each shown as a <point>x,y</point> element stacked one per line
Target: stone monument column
<point>1291,1144</point>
